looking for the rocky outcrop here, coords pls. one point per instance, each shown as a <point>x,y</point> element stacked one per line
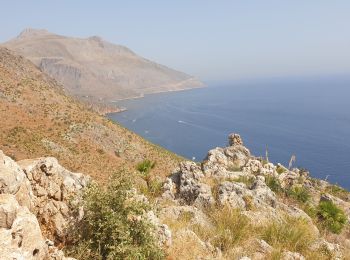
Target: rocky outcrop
<point>232,177</point>
<point>37,199</point>
<point>190,188</point>
<point>20,233</point>
<point>238,195</point>
<point>14,181</point>
<point>54,191</point>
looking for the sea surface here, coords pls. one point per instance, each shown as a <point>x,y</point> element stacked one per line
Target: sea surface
<point>308,118</point>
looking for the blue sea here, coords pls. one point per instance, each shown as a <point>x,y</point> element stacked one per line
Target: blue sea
<point>308,118</point>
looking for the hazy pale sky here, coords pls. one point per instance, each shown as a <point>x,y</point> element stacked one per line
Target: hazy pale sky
<point>213,40</point>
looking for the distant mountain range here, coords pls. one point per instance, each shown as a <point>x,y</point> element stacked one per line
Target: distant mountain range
<point>95,70</point>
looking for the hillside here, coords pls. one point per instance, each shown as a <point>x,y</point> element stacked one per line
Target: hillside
<point>96,70</point>
<point>38,119</point>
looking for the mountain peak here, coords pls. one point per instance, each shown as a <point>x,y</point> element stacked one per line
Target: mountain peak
<point>30,32</point>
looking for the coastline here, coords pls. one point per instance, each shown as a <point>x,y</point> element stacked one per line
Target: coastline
<point>122,109</point>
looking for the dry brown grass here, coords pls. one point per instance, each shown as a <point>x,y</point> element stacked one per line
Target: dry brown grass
<point>34,108</point>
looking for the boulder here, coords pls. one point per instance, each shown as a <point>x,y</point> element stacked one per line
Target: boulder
<point>20,233</point>
<point>190,189</point>
<point>238,195</point>
<point>235,139</point>
<point>53,188</point>
<point>13,181</point>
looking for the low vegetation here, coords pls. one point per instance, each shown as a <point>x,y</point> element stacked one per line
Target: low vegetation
<point>113,226</point>
<point>331,217</point>
<point>274,184</point>
<point>299,193</point>
<point>293,234</point>
<point>339,192</point>
<point>229,228</point>
<point>154,186</point>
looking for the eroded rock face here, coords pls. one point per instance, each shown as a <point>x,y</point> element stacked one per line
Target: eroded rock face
<point>238,195</point>
<point>14,181</point>
<point>20,233</point>
<point>161,231</point>
<point>33,190</point>
<point>190,188</point>
<point>53,188</point>
<point>226,162</point>
<point>235,139</point>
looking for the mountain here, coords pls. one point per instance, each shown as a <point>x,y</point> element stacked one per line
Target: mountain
<point>232,205</point>
<point>96,70</point>
<point>39,119</point>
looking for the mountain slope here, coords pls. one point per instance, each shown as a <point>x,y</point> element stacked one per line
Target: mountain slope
<point>97,70</point>
<point>38,119</point>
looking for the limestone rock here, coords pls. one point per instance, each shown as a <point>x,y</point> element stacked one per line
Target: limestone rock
<point>161,231</point>
<point>169,189</point>
<point>216,163</point>
<point>292,256</point>
<point>194,215</point>
<point>253,166</point>
<point>190,189</point>
<point>333,250</point>
<point>52,187</point>
<point>238,195</point>
<point>14,181</point>
<point>20,233</point>
<point>235,139</point>
<point>220,162</point>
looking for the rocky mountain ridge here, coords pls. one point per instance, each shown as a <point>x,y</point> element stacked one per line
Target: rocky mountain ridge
<point>95,70</point>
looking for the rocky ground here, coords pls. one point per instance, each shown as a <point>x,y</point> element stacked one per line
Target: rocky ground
<point>39,205</point>
<point>199,199</point>
<point>233,205</point>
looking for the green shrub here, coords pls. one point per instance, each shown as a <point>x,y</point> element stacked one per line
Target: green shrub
<point>273,183</point>
<point>280,169</point>
<point>332,217</point>
<point>300,194</point>
<point>145,166</point>
<point>112,227</point>
<point>154,187</point>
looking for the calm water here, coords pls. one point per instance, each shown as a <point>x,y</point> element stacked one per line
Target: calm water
<point>307,118</point>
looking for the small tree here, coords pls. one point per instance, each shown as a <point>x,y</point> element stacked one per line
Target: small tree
<point>112,227</point>
<point>144,169</point>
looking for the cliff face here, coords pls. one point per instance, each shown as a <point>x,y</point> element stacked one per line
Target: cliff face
<point>96,70</point>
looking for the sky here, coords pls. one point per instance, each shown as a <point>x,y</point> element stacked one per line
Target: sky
<point>212,40</point>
